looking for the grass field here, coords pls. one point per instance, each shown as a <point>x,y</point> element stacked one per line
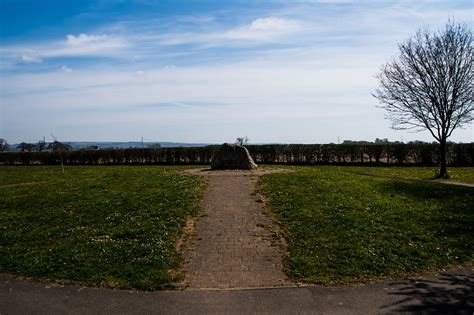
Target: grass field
<point>342,226</point>
<point>109,226</point>
<point>117,226</point>
<point>457,174</point>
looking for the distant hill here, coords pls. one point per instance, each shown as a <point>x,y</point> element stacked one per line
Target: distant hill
<point>123,145</point>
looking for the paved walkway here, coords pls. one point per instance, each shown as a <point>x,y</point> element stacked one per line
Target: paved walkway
<point>448,293</point>
<point>234,244</point>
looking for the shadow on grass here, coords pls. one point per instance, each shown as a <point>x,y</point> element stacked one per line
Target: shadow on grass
<point>452,222</point>
<point>427,189</point>
<point>449,294</point>
<point>453,216</point>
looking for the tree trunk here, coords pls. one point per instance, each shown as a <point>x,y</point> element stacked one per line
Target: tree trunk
<point>443,172</point>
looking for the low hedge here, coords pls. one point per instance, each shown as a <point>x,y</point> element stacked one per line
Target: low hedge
<point>399,154</point>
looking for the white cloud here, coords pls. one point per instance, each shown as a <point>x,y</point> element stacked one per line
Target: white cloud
<point>30,58</point>
<point>254,94</point>
<point>83,39</point>
<point>263,29</point>
<point>316,95</point>
<point>82,45</point>
<point>273,24</point>
<point>66,69</point>
<point>317,85</point>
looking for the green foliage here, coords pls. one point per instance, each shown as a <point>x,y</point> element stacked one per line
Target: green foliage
<point>344,226</point>
<point>109,226</point>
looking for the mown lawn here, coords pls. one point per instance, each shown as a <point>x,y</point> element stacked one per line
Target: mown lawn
<point>344,227</point>
<point>113,226</point>
<point>457,174</point>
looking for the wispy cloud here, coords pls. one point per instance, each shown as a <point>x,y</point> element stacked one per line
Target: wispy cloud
<point>87,45</point>
<point>305,25</point>
<point>29,58</point>
<point>263,30</point>
<point>71,46</point>
<point>252,95</point>
<point>308,66</point>
<point>260,30</point>
<point>66,69</point>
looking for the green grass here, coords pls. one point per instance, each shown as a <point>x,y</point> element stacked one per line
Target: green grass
<point>343,227</point>
<point>457,174</point>
<point>109,226</point>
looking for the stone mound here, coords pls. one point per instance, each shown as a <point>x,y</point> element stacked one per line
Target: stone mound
<point>232,157</point>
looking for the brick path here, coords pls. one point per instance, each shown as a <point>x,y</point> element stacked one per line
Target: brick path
<point>233,245</point>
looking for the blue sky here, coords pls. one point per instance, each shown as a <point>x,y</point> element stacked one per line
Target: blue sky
<point>205,71</point>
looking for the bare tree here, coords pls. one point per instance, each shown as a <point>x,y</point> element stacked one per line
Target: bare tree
<point>25,147</point>
<point>41,146</point>
<point>59,147</point>
<point>4,146</point>
<point>429,85</point>
<point>242,140</point>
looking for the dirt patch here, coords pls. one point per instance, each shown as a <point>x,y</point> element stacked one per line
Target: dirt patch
<point>188,231</point>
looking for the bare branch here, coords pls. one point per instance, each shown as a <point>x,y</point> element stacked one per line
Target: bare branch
<point>429,85</point>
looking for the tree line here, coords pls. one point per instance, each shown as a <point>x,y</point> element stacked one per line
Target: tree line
<point>303,154</point>
<point>42,146</point>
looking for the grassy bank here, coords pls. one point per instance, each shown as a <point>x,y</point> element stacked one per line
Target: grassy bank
<point>109,226</point>
<point>343,226</point>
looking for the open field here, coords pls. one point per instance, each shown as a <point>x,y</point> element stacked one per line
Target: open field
<point>117,226</point>
<point>345,227</point>
<point>108,226</point>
